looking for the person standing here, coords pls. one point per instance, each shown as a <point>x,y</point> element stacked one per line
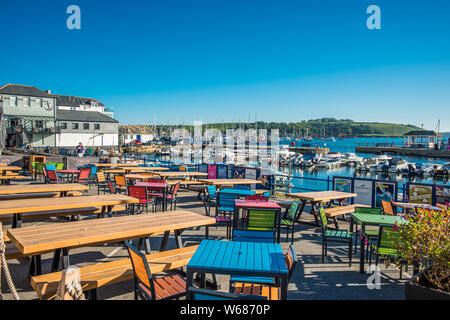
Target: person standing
<point>80,149</point>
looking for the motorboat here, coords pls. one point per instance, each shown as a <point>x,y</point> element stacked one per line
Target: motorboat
<point>397,165</point>
<point>351,159</point>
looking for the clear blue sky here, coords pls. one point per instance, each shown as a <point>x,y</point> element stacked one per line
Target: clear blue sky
<point>233,60</point>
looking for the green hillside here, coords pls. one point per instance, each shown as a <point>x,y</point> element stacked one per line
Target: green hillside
<point>322,127</point>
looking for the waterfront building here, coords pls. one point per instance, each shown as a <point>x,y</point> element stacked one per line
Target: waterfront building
<point>93,129</point>
<point>29,116</point>
<point>422,139</point>
<point>129,133</point>
<point>73,103</point>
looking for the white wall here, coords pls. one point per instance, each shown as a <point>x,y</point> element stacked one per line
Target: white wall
<point>144,138</point>
<point>72,139</point>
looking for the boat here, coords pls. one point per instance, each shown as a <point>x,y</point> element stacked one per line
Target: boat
<point>351,159</point>
<point>397,165</point>
<point>442,170</point>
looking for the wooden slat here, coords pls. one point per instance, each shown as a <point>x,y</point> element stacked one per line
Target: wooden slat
<point>35,205</point>
<point>89,232</point>
<point>102,274</point>
<point>38,188</point>
<point>317,196</point>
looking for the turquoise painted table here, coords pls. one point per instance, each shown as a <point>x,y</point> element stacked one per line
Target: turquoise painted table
<point>239,258</point>
<point>241,193</point>
<point>364,220</point>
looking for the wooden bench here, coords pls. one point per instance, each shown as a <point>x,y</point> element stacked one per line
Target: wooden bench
<point>106,273</point>
<point>338,211</point>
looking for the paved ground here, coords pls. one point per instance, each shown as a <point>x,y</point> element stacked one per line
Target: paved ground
<point>312,279</point>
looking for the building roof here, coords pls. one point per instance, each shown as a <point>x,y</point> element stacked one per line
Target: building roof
<point>422,133</point>
<point>21,90</point>
<point>71,101</point>
<point>83,116</point>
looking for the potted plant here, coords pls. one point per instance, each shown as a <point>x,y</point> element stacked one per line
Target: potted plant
<point>424,242</point>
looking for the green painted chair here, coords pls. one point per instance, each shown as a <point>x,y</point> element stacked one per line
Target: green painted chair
<point>261,220</point>
<point>371,234</point>
<point>38,169</point>
<point>384,248</point>
<point>334,235</point>
<point>288,221</point>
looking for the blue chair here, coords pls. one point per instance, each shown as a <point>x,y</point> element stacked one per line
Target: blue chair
<point>266,194</point>
<point>193,293</point>
<point>209,199</point>
<point>225,209</point>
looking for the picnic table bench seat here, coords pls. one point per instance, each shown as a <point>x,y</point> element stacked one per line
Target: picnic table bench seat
<point>340,210</point>
<point>105,273</point>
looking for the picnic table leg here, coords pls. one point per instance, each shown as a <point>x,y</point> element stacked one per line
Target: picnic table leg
<point>179,241</point>
<point>164,241</point>
<point>35,266</point>
<point>17,220</point>
<point>55,260</point>
<point>65,258</point>
<point>361,250</point>
<point>300,211</point>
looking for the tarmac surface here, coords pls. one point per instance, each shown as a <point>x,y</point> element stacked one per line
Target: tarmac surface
<point>312,280</point>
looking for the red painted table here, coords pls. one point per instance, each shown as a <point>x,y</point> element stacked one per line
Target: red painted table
<point>254,204</point>
<point>69,172</point>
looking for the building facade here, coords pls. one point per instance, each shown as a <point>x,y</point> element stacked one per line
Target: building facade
<point>130,133</point>
<point>93,129</point>
<point>29,116</point>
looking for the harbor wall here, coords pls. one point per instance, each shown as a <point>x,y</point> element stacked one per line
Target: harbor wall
<point>408,152</point>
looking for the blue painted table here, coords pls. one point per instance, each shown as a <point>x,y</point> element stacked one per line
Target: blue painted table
<point>241,193</point>
<point>239,258</point>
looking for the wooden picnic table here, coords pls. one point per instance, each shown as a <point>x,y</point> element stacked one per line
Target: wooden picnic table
<point>229,182</point>
<point>18,207</point>
<point>62,188</point>
<point>61,237</point>
<point>115,165</point>
<point>10,168</point>
<point>316,198</point>
<point>413,206</point>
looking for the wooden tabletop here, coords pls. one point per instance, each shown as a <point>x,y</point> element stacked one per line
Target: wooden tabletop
<point>37,188</point>
<point>8,177</point>
<point>10,168</point>
<point>218,182</point>
<point>88,232</point>
<point>256,204</point>
<point>317,196</point>
<point>37,205</point>
<point>409,205</point>
<point>181,174</point>
<point>115,164</point>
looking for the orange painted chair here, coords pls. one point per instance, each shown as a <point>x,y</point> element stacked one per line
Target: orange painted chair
<point>252,287</point>
<point>147,286</point>
<point>388,208</point>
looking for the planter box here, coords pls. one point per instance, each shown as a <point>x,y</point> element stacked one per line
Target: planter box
<point>415,291</point>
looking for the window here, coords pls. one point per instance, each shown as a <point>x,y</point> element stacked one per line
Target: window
<point>13,101</point>
<point>38,102</point>
<point>97,126</point>
<point>14,122</point>
<point>64,125</point>
<point>32,103</point>
<point>86,126</point>
<point>26,102</point>
<point>39,124</point>
<point>75,126</point>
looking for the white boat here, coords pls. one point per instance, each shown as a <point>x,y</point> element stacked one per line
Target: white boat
<point>351,159</point>
<point>369,164</point>
<point>397,165</point>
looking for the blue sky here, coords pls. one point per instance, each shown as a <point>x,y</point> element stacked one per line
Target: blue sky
<point>215,60</point>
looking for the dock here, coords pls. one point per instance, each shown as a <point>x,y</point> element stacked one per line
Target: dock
<point>407,152</point>
<point>305,150</point>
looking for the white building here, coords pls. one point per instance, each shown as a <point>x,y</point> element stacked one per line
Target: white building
<point>130,133</point>
<point>92,129</point>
